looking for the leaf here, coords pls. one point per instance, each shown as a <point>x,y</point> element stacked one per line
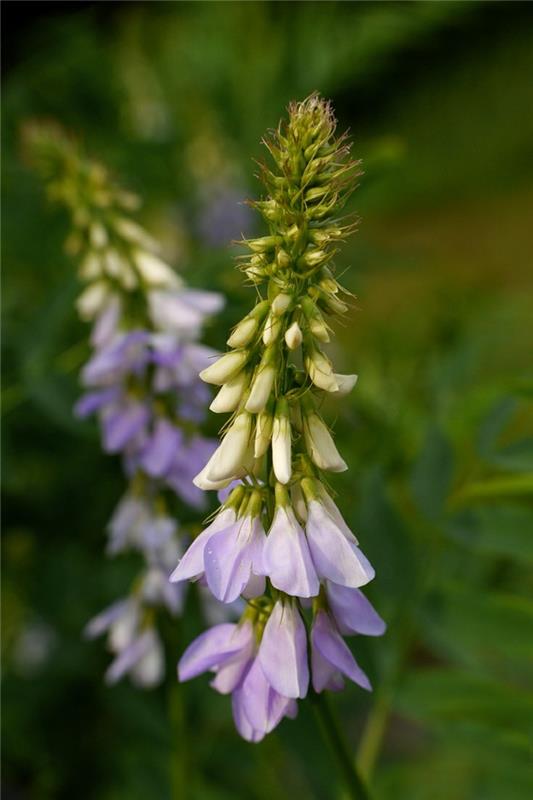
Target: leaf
<point>455,695</point>
<point>500,530</point>
<point>488,631</point>
<point>495,488</point>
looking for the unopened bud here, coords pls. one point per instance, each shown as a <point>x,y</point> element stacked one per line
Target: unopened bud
<point>225,367</point>
<point>293,336</point>
<point>263,433</point>
<point>261,388</point>
<point>229,396</point>
<point>280,304</point>
<point>271,330</point>
<point>320,371</point>
<point>281,443</point>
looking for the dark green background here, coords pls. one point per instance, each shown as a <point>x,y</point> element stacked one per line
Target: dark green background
<point>175,97</point>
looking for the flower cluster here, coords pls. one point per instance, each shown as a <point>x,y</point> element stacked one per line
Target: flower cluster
<point>142,382</point>
<point>279,540</point>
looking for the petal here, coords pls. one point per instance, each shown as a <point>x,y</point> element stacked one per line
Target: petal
<point>283,651</point>
<point>353,612</point>
<point>228,563</point>
<point>334,557</point>
<point>159,455</point>
<point>263,706</point>
<point>331,646</point>
<point>192,563</point>
<point>215,647</point>
<point>287,559</point>
<point>242,722</point>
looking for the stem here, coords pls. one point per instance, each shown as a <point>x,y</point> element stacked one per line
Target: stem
<point>178,756</point>
<point>372,737</point>
<point>332,732</point>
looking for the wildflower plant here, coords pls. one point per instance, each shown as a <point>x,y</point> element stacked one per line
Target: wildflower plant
<point>279,539</point>
<point>141,381</point>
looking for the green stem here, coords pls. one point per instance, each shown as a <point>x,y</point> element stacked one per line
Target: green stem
<point>178,757</point>
<point>332,732</point>
<point>372,737</point>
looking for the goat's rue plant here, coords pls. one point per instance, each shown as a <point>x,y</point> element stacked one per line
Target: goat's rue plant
<point>279,540</point>
<point>142,382</point>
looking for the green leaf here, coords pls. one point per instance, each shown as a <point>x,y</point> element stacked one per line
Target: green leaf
<point>499,530</point>
<point>488,631</point>
<point>495,488</point>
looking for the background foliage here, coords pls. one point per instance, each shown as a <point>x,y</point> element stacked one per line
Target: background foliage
<point>438,435</point>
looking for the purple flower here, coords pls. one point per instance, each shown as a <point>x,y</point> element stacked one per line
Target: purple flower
<point>216,649</point>
<point>143,659</point>
<point>287,559</point>
<point>352,612</point>
<point>257,707</point>
<point>335,556</point>
<point>125,354</point>
<point>123,423</point>
<point>232,556</point>
<point>160,451</point>
<point>283,651</point>
<point>191,566</point>
<point>331,657</point>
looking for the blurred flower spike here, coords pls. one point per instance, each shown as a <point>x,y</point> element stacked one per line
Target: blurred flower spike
<point>279,540</point>
<point>142,383</point>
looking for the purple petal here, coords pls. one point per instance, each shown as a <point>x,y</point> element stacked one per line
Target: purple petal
<point>120,426</point>
<point>94,401</point>
<point>192,564</point>
<point>283,651</point>
<point>287,560</point>
<point>242,722</point>
<point>103,621</point>
<point>128,657</point>
<point>330,645</point>
<point>228,561</point>
<point>263,706</point>
<point>334,557</point>
<point>160,453</point>
<point>353,613</point>
<point>213,648</point>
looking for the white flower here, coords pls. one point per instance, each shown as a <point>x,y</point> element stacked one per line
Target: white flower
<point>134,233</point>
<point>230,394</point>
<point>225,368</point>
<point>320,371</point>
<point>261,389</point>
<point>98,235</point>
<point>321,446</point>
<point>230,456</point>
<point>345,383</point>
<point>243,332</point>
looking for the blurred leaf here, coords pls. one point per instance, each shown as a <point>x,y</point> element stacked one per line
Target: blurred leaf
<point>494,488</point>
<point>453,695</point>
<point>505,530</point>
<point>487,630</point>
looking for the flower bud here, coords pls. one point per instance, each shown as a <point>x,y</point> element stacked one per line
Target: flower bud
<point>91,267</point>
<point>98,236</point>
<point>228,459</point>
<point>92,300</point>
<point>263,433</point>
<point>318,328</point>
<point>271,330</point>
<point>283,259</point>
<point>230,394</point>
<point>263,244</point>
<point>281,443</point>
<point>280,304</point>
<point>262,384</point>
<point>225,368</point>
<point>154,271</point>
<point>293,336</point>
<point>243,332</point>
<point>320,445</point>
